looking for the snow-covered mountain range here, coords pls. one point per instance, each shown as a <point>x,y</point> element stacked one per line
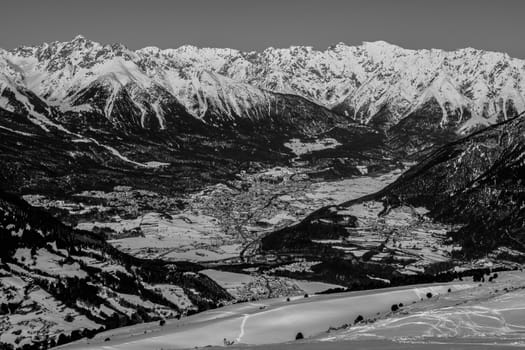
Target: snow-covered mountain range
<point>359,82</point>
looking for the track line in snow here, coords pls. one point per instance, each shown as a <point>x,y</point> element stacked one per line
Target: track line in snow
<point>243,324</point>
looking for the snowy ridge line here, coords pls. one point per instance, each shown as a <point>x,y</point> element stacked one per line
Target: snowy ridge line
<point>16,131</point>
<point>44,123</point>
<point>35,117</point>
<point>151,164</point>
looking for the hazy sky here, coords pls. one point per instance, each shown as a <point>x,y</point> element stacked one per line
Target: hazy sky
<point>254,25</point>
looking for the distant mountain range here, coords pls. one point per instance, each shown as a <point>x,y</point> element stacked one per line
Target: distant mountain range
<point>375,83</point>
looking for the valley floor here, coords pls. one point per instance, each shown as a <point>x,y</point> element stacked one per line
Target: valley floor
<point>220,225</point>
<point>222,222</point>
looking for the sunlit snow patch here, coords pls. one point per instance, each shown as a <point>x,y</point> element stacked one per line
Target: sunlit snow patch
<point>299,147</point>
<point>155,164</point>
<point>363,169</point>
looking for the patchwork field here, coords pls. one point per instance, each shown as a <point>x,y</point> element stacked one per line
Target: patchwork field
<point>261,286</point>
<point>221,222</point>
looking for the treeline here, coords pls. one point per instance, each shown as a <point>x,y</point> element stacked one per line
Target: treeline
<point>353,276</point>
<point>52,341</point>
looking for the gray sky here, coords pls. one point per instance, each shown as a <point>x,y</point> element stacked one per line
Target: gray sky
<point>497,25</point>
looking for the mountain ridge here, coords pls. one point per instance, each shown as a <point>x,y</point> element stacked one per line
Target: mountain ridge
<point>356,81</point>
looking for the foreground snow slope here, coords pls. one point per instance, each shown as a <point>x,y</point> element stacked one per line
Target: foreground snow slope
<point>470,316</point>
<point>266,322</point>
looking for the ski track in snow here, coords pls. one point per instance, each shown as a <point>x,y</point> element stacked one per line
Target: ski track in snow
<point>243,324</point>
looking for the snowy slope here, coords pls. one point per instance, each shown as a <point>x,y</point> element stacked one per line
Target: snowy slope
<point>360,80</point>
<point>58,284</point>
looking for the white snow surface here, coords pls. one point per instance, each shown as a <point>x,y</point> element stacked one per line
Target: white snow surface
<point>273,320</point>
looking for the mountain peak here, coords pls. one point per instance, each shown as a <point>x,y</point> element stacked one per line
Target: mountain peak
<point>79,37</point>
<point>381,47</point>
<point>379,43</point>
